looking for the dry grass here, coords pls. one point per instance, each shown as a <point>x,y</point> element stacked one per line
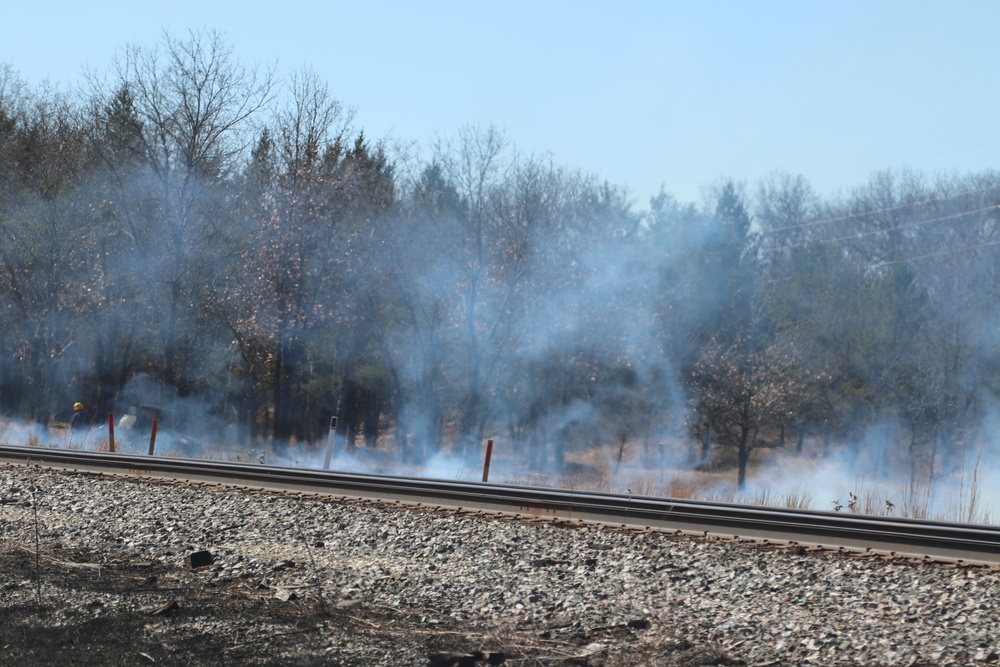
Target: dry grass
<point>796,499</point>
<point>916,499</point>
<point>958,497</point>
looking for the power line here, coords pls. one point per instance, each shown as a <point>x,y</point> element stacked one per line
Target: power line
<point>863,214</point>
<point>943,253</point>
<point>859,235</point>
<point>907,260</point>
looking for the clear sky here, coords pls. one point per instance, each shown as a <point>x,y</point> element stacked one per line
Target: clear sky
<point>644,93</point>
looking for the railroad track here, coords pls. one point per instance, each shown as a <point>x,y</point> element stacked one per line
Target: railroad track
<point>934,540</point>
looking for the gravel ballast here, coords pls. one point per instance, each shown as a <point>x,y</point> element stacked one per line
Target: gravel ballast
<point>102,570</point>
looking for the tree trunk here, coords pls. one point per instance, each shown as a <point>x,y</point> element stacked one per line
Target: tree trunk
<point>743,458</point>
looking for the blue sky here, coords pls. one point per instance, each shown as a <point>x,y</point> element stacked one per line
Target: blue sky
<point>644,94</point>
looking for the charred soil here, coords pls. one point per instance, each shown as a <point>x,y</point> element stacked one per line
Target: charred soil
<point>72,607</point>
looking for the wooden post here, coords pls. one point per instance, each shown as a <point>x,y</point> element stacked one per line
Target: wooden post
<point>111,431</point>
<point>489,455</point>
<point>152,438</point>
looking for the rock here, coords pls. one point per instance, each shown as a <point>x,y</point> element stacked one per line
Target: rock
<point>407,584</point>
<point>165,609</point>
<point>201,558</point>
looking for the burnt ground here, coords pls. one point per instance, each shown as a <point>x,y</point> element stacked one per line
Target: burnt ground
<point>94,613</point>
<point>75,608</point>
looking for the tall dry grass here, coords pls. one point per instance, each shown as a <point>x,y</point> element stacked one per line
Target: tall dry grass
<point>957,500</point>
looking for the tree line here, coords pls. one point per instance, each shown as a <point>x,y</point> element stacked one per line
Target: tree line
<point>188,230</point>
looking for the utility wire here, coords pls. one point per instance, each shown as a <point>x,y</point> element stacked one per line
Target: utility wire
<point>864,214</point>
<point>878,265</point>
<point>859,235</point>
<point>943,253</point>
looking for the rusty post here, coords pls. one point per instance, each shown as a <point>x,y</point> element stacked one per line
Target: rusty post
<point>489,455</point>
<point>111,432</point>
<point>152,438</point>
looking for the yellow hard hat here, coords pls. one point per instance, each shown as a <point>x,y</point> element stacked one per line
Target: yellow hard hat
<point>78,406</point>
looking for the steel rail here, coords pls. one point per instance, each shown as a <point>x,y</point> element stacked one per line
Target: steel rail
<point>937,540</point>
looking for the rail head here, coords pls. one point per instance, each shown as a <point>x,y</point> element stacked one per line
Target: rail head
<point>954,542</point>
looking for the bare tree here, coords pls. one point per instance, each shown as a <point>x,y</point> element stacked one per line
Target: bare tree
<point>43,246</point>
<point>478,165</point>
<point>192,109</point>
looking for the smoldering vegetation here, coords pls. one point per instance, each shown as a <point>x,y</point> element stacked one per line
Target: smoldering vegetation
<point>227,250</point>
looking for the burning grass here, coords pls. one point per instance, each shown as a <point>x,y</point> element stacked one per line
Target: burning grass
<point>810,479</point>
<point>796,480</point>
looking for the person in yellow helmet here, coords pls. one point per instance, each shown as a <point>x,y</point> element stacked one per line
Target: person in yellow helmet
<point>79,418</point>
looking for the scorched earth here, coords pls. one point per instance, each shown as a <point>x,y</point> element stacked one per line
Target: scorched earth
<point>100,571</point>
